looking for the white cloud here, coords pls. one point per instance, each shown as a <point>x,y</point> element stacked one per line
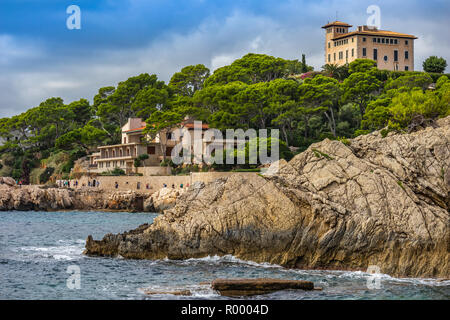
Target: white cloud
<point>214,43</point>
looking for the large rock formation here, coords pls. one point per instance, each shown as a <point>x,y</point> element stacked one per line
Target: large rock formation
<point>162,199</point>
<point>13,197</point>
<point>378,201</point>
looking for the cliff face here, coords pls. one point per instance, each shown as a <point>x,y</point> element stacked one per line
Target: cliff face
<point>13,197</point>
<point>378,201</point>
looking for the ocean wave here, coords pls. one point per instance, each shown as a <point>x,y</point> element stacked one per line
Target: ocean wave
<point>330,274</point>
<point>68,251</point>
<point>224,259</point>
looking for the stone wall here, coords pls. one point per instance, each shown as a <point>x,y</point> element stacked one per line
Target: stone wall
<point>155,171</point>
<point>155,183</point>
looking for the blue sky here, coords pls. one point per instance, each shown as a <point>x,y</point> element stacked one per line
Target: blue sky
<point>41,58</point>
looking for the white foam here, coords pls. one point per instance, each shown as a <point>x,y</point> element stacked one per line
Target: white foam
<point>64,252</point>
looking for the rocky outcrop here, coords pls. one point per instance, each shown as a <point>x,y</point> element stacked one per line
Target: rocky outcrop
<point>377,201</point>
<point>13,197</point>
<point>251,287</point>
<point>162,199</point>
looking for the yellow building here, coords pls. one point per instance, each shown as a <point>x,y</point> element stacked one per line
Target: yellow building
<point>391,50</point>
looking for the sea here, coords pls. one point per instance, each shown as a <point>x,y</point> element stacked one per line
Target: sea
<point>41,257</point>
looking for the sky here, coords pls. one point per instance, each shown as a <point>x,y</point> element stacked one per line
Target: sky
<point>41,58</point>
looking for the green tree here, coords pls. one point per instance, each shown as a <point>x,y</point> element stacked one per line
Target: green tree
<point>252,68</point>
<point>420,80</point>
<point>359,88</point>
<point>189,80</point>
<point>85,137</point>
<point>304,65</point>
<point>114,107</point>
<point>434,64</point>
<point>362,65</point>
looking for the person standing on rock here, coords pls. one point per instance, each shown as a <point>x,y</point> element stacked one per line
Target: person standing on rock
<point>116,185</point>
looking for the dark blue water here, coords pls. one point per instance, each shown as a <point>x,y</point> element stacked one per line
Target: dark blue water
<point>36,249</point>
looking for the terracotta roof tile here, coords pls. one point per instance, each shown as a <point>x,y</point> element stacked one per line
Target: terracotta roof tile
<point>337,23</point>
<point>380,33</point>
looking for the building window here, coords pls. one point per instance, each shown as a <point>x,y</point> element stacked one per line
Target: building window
<point>334,56</point>
<point>329,57</point>
<point>353,52</point>
<point>124,140</point>
<point>169,151</point>
<point>151,150</point>
<point>353,39</point>
<point>406,42</point>
<point>395,55</point>
<point>329,45</point>
<point>382,40</point>
<point>378,40</point>
<point>406,68</point>
<point>375,54</point>
<point>374,40</point>
<point>346,54</point>
<point>364,52</point>
<point>395,41</point>
<point>406,55</point>
<point>385,58</point>
<point>364,39</point>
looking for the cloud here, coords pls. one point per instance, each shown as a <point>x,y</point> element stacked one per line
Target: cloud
<point>117,44</point>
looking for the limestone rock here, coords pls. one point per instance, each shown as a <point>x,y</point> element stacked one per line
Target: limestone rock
<point>251,287</point>
<point>34,197</point>
<point>163,199</point>
<point>378,201</point>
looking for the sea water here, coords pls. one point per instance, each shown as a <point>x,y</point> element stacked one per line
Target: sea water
<point>40,250</point>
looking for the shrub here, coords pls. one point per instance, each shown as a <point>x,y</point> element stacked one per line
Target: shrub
<point>45,176</point>
<point>115,172</point>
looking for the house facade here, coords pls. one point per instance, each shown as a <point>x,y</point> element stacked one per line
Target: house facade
<point>135,143</point>
<point>391,50</point>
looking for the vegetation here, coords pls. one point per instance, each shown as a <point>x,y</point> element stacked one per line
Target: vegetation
<point>114,172</point>
<point>434,64</point>
<point>254,92</point>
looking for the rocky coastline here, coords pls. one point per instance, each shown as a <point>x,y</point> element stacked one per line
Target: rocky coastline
<point>42,198</point>
<point>374,200</point>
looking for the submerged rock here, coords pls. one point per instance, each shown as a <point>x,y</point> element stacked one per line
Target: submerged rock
<point>175,293</point>
<point>251,287</point>
<point>378,201</point>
